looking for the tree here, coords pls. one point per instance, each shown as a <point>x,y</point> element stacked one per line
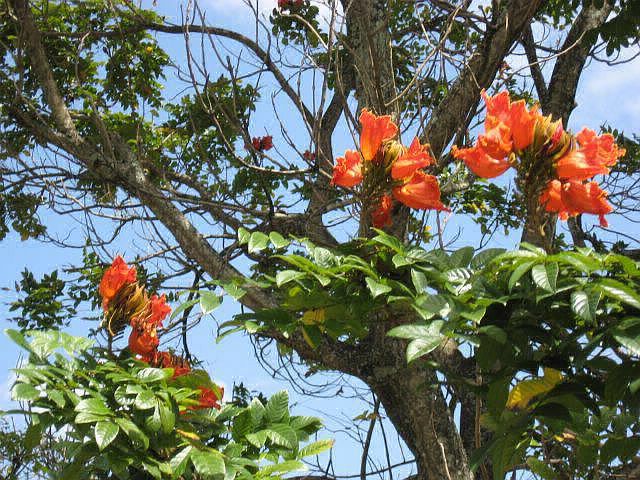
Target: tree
<point>88,127</point>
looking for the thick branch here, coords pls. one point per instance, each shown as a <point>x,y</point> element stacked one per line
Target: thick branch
<point>453,114</point>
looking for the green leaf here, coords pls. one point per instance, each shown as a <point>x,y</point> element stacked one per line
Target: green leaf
<point>519,272</point>
<point>209,301</point>
<point>485,256</point>
<point>243,236</point>
<point>285,276</point>
<point>428,341</point>
<point>419,280</point>
<point>388,240</point>
<point>138,439</point>
<point>183,306</point>
<point>283,467</point>
<point>208,463</point>
<point>179,461</point>
<point>584,304</point>
<point>105,433</point>
<point>413,331</point>
<point>315,448</point>
<point>94,406</point>
<point>540,468</point>
<point>167,418</point>
<point>145,400</point>
<point>545,275</point>
<point>24,391</point>
<point>496,333</point>
<point>278,406</point>
<point>462,257</point>
<point>18,338</point>
<point>233,290</point>
<point>631,343</point>
<point>377,288</point>
<point>33,436</point>
<point>152,375</point>
<point>258,242</point>
<point>620,292</point>
<point>86,417</point>
<point>429,306</point>
<point>282,435</point>
<point>278,240</point>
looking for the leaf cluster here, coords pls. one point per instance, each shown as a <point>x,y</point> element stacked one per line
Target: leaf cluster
<point>122,418</point>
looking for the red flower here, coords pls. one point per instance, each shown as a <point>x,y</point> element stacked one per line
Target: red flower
<point>480,163</point>
<point>375,130</point>
<point>114,278</point>
<point>551,198</point>
<point>599,149</point>
<point>496,142</point>
<point>208,399</point>
<point>158,310</point>
<point>498,106</point>
<point>382,215</point>
<point>575,165</point>
<point>168,360</point>
<point>347,172</point>
<point>143,340</point>
<point>262,144</point>
<point>421,191</point>
<point>572,198</point>
<point>309,156</point>
<point>417,156</point>
<point>587,198</point>
<point>522,123</point>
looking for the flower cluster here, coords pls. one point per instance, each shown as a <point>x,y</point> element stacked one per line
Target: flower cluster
<point>262,144</point>
<point>122,297</point>
<point>290,3</point>
<point>388,170</point>
<point>519,137</point>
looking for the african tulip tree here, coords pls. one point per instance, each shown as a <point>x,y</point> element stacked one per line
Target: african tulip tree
<point>98,117</point>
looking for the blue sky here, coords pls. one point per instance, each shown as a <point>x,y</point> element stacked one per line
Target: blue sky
<point>607,94</point>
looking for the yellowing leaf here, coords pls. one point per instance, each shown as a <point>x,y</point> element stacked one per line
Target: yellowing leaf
<point>189,435</point>
<point>313,317</point>
<point>527,390</point>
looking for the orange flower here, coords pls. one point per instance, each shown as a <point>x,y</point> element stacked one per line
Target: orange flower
<point>347,172</point>
<point>168,360</point>
<point>575,165</point>
<point>480,163</point>
<point>522,122</point>
<point>382,215</point>
<point>158,310</point>
<point>498,106</point>
<point>114,278</point>
<point>587,198</point>
<point>143,341</point>
<point>375,130</point>
<point>551,198</point>
<point>417,156</point>
<point>421,191</point>
<point>600,149</point>
<point>208,398</point>
<point>496,142</point>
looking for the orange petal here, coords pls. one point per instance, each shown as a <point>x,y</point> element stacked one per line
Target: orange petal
<point>600,149</point>
<point>375,130</point>
<point>575,165</point>
<point>498,106</point>
<point>347,172</point>
<point>114,278</point>
<point>480,163</point>
<point>416,157</point>
<point>522,123</point>
<point>421,192</point>
<point>496,142</point>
